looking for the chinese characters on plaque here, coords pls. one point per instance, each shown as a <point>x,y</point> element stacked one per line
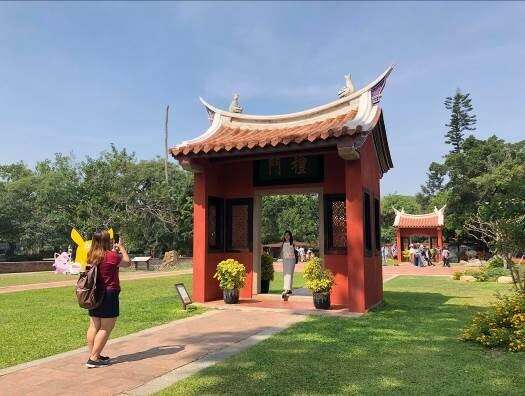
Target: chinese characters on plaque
<point>288,170</point>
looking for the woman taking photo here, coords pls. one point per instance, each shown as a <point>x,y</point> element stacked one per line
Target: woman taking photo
<point>108,257</point>
<point>289,260</point>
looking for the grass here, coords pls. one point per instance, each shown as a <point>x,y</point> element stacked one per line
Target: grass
<point>409,346</point>
<point>276,286</point>
<point>47,276</point>
<point>38,277</point>
<point>40,323</point>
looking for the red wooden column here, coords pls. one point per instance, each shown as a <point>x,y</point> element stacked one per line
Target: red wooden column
<point>199,237</point>
<point>355,237</point>
<point>440,240</point>
<point>399,245</point>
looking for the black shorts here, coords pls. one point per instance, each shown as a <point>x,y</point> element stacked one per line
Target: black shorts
<point>109,307</point>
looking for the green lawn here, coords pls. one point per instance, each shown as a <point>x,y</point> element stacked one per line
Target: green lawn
<point>409,346</point>
<point>276,286</point>
<point>38,277</point>
<point>40,323</point>
<point>46,276</point>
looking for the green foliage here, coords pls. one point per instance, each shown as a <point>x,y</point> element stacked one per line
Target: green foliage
<point>495,262</point>
<point>398,201</point>
<point>483,274</point>
<point>267,270</point>
<point>461,119</point>
<point>436,178</point>
<point>39,207</point>
<point>502,326</point>
<point>456,275</point>
<point>231,274</point>
<point>483,188</point>
<point>317,278</point>
<point>298,213</point>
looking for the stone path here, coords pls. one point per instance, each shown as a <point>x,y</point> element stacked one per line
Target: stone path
<point>150,360</point>
<point>390,272</point>
<point>123,276</point>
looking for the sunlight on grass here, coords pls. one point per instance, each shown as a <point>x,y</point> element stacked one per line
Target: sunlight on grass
<point>40,323</point>
<point>408,346</point>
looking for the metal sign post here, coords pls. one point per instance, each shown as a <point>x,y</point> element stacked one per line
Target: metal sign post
<point>183,294</point>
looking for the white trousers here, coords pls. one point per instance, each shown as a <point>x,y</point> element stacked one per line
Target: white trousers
<point>288,268</point>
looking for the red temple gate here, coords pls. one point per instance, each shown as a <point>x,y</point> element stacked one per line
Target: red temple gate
<point>338,150</point>
<point>429,225</point>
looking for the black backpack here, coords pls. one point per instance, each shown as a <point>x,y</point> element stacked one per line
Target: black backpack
<point>89,294</point>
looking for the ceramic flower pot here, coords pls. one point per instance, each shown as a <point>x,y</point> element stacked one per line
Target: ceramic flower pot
<point>322,300</point>
<point>265,286</point>
<point>231,296</point>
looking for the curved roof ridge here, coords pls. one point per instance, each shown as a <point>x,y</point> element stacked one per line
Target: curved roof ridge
<point>303,113</point>
<point>435,218</point>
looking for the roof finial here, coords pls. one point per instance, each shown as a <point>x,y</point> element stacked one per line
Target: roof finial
<point>348,88</point>
<point>234,105</point>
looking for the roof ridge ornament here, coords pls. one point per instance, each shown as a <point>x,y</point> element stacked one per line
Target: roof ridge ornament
<point>348,88</point>
<point>234,105</point>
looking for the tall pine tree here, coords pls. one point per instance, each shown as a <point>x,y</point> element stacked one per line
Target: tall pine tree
<point>461,119</point>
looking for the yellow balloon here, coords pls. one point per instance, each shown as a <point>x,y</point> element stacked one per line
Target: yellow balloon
<point>83,246</point>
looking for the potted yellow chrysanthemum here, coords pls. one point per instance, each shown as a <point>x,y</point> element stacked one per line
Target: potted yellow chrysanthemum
<point>320,281</point>
<point>231,276</point>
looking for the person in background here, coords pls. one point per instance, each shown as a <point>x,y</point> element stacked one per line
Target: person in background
<point>413,257</point>
<point>445,254</point>
<point>384,254</point>
<point>288,255</point>
<point>108,257</point>
<point>428,256</point>
<point>301,254</point>
<point>393,250</point>
<point>419,256</point>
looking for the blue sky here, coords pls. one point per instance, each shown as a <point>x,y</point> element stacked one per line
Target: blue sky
<point>77,76</point>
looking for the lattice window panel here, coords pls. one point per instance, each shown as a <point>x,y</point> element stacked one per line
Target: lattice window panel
<point>338,220</point>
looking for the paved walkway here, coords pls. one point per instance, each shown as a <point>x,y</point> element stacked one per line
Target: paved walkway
<point>390,272</point>
<point>150,360</point>
<point>123,276</point>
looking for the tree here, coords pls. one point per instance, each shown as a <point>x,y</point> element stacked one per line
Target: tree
<point>39,207</point>
<point>461,119</point>
<point>298,213</point>
<point>499,220</point>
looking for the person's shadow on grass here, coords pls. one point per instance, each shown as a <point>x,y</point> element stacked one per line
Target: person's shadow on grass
<point>148,353</point>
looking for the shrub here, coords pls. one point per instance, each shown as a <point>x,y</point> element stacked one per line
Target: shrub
<point>494,273</point>
<point>231,274</point>
<point>502,326</point>
<point>317,278</point>
<point>267,270</point>
<point>456,275</point>
<point>486,274</point>
<point>406,255</point>
<point>496,262</point>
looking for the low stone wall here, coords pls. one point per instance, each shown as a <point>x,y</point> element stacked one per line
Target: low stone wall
<point>25,266</point>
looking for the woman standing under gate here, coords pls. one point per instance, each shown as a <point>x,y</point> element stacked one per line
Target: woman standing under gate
<point>289,257</point>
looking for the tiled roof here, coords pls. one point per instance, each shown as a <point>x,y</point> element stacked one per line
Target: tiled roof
<point>230,136</point>
<point>428,220</point>
<point>357,111</point>
<point>418,221</point>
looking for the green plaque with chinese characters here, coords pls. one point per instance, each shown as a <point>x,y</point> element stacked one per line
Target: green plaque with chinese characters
<point>288,170</point>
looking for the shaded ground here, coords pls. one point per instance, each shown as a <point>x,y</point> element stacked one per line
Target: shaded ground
<point>409,346</point>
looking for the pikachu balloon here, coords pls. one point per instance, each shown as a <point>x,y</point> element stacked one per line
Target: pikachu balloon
<point>83,246</point>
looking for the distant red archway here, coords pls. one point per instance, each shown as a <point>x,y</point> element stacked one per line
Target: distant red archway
<point>428,225</point>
